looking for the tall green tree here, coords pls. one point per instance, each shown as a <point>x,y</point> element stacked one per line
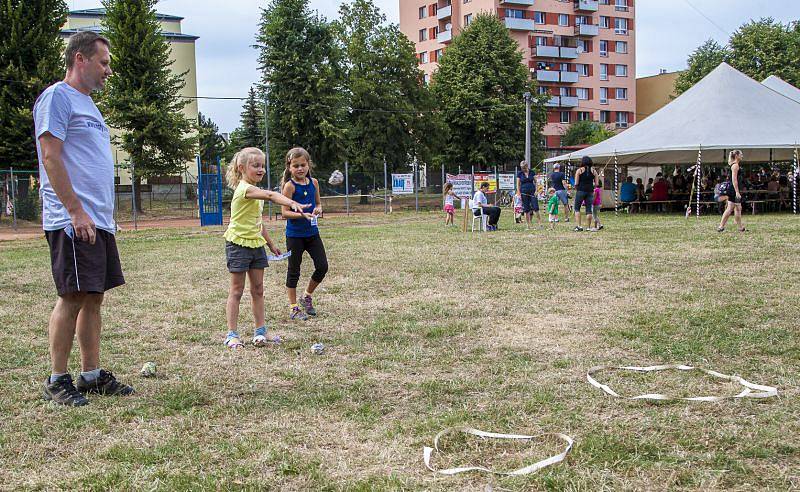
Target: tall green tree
<point>251,129</point>
<point>586,133</point>
<point>211,145</point>
<point>143,96</point>
<point>390,107</point>
<point>479,88</point>
<point>303,80</point>
<point>759,49</point>
<point>31,58</point>
<point>701,62</point>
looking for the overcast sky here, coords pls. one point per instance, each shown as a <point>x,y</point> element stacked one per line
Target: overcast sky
<point>666,32</point>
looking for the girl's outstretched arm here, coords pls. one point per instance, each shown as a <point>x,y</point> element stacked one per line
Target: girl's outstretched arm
<point>256,193</point>
<point>287,210</point>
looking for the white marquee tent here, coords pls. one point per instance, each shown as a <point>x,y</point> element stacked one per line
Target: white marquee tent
<point>726,110</point>
<point>779,85</point>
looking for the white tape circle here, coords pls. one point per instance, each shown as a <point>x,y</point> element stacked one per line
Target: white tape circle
<point>427,452</point>
<point>750,390</point>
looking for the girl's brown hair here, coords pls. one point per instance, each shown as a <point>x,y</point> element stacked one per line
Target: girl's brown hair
<point>447,188</point>
<point>236,167</point>
<point>294,153</point>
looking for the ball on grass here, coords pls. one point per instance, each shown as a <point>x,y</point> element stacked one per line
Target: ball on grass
<point>148,370</point>
<point>318,348</point>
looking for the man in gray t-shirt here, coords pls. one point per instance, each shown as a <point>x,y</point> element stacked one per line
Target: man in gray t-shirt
<point>77,191</point>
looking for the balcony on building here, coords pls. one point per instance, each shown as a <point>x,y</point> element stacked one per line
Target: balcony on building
<point>553,102</point>
<point>556,52</point>
<point>568,52</point>
<point>547,76</point>
<point>547,51</point>
<point>520,24</point>
<point>569,101</point>
<point>444,36</point>
<point>587,30</point>
<point>569,77</point>
<point>516,2</point>
<point>587,5</point>
<point>444,12</point>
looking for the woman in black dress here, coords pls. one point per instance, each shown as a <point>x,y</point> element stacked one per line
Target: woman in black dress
<point>526,189</point>
<point>734,190</point>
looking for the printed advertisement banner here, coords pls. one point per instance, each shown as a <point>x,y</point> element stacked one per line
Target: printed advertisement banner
<point>402,184</point>
<point>507,182</point>
<point>486,177</point>
<point>462,184</point>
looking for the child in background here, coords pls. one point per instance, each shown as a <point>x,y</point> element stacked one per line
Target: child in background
<point>596,204</point>
<point>449,209</point>
<point>552,208</point>
<point>245,241</point>
<point>302,233</point>
<point>517,209</point>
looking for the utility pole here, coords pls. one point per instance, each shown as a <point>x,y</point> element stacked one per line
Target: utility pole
<point>266,153</point>
<point>527,96</point>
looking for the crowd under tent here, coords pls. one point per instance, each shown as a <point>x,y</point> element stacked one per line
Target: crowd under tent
<point>725,110</point>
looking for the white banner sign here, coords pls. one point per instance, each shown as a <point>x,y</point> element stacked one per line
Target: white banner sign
<point>507,181</point>
<point>462,184</point>
<point>402,184</point>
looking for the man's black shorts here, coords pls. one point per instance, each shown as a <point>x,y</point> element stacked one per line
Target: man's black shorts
<point>82,267</point>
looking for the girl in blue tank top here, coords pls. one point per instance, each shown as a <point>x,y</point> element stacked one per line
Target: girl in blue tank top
<point>302,234</point>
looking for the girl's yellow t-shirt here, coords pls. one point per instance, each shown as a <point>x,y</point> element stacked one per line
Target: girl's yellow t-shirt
<point>245,226</point>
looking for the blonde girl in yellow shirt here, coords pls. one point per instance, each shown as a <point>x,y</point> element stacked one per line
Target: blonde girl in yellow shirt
<point>246,238</point>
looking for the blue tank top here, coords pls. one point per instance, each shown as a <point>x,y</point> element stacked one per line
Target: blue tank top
<point>303,194</point>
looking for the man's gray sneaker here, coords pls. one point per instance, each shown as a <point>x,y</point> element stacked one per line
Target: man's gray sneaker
<point>63,392</point>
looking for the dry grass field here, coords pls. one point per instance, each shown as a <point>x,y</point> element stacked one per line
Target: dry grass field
<point>426,328</point>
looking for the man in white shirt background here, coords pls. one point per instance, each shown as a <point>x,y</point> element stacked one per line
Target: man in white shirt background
<point>479,203</point>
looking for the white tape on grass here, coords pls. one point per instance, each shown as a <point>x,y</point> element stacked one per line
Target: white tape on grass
<point>750,390</point>
<point>427,452</point>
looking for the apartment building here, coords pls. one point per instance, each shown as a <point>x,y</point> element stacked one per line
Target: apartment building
<point>581,52</point>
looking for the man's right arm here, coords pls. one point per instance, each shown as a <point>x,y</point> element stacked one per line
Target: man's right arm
<point>51,148</point>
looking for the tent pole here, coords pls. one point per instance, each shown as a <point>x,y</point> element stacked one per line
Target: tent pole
<point>794,183</point>
<point>697,174</point>
<point>616,184</point>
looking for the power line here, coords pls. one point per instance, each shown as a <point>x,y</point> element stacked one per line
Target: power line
<point>690,4</point>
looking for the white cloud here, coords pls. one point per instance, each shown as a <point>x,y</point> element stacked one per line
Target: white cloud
<point>666,32</point>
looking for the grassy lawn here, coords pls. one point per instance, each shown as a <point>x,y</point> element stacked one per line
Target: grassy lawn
<point>425,328</point>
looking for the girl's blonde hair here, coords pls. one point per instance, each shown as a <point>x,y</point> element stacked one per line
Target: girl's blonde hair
<point>294,153</point>
<point>236,167</point>
<point>733,155</point>
<point>447,188</point>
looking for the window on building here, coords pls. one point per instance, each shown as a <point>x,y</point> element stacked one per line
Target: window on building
<point>435,31</point>
<point>515,13</point>
<point>621,25</point>
<point>423,34</point>
<point>583,69</point>
<point>538,18</point>
<point>622,119</point>
<point>621,71</point>
<point>564,116</point>
<point>582,19</point>
<point>584,116</point>
<point>563,19</point>
<point>423,57</point>
<point>604,22</point>
<point>542,90</point>
<point>564,67</point>
<point>604,95</point>
<point>426,78</point>
<point>621,5</point>
<point>605,116</point>
<point>621,47</point>
<point>563,91</point>
<point>621,93</point>
<point>423,12</point>
<point>439,53</point>
<point>541,41</point>
<point>605,2</point>
<point>585,45</point>
<point>603,71</point>
<point>582,93</point>
<point>603,48</point>
<point>467,20</point>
